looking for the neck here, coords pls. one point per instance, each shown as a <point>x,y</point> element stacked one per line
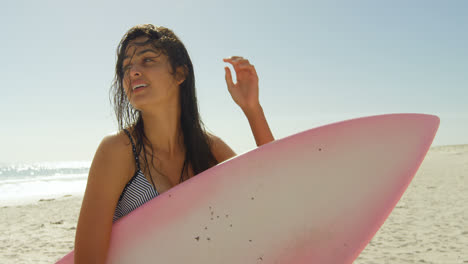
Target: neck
<point>162,127</point>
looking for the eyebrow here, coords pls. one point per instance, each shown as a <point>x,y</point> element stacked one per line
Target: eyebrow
<point>141,52</point>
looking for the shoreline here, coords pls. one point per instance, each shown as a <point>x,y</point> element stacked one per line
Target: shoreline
<point>36,200</point>
<point>428,225</point>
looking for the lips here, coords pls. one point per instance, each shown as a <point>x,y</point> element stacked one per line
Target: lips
<point>139,89</point>
<point>138,85</point>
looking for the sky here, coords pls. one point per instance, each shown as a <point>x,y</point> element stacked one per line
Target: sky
<point>318,62</point>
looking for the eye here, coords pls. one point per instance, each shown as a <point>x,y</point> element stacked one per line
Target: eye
<point>126,67</point>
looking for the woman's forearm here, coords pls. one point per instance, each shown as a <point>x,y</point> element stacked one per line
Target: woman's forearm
<point>259,125</point>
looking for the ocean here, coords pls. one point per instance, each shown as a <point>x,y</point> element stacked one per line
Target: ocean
<point>22,183</point>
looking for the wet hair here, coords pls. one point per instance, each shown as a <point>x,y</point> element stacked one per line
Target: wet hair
<point>196,141</point>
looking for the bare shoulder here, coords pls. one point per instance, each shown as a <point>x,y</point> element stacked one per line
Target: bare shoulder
<point>220,149</point>
<point>112,166</point>
<point>115,151</point>
<point>116,140</point>
<point>118,143</point>
<point>108,174</point>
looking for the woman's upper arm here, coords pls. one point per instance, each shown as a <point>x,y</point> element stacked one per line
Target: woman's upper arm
<point>105,182</point>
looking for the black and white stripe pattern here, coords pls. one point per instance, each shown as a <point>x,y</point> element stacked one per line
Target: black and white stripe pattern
<point>137,192</point>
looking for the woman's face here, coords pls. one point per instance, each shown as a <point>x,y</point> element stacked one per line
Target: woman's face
<point>148,81</point>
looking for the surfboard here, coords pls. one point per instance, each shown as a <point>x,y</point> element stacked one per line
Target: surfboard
<point>318,196</point>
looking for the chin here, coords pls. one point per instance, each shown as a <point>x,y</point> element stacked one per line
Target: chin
<point>146,106</point>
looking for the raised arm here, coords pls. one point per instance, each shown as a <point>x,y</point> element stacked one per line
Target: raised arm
<point>245,94</point>
<point>259,125</point>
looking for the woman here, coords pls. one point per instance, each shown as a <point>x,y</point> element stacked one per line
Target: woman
<point>161,140</point>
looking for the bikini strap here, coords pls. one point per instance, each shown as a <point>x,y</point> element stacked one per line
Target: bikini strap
<point>134,149</point>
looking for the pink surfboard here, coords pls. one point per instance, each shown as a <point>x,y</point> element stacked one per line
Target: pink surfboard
<point>315,197</point>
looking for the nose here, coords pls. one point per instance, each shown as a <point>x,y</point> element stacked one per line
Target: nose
<point>134,70</point>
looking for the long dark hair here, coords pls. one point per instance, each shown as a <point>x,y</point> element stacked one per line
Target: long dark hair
<point>197,143</point>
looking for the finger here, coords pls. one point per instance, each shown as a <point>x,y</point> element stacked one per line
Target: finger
<point>236,64</point>
<point>235,57</point>
<point>236,61</point>
<point>254,70</point>
<point>244,61</point>
<point>228,77</point>
<point>245,67</point>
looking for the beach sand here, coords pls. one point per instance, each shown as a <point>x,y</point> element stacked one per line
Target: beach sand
<point>430,222</point>
<point>41,232</point>
<point>428,225</point>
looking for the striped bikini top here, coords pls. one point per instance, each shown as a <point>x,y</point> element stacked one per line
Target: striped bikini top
<point>137,191</point>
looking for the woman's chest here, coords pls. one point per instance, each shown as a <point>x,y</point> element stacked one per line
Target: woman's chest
<point>167,173</point>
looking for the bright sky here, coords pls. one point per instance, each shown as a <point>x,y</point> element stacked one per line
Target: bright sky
<point>318,62</point>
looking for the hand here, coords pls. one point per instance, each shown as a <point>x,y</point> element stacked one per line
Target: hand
<point>245,91</point>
